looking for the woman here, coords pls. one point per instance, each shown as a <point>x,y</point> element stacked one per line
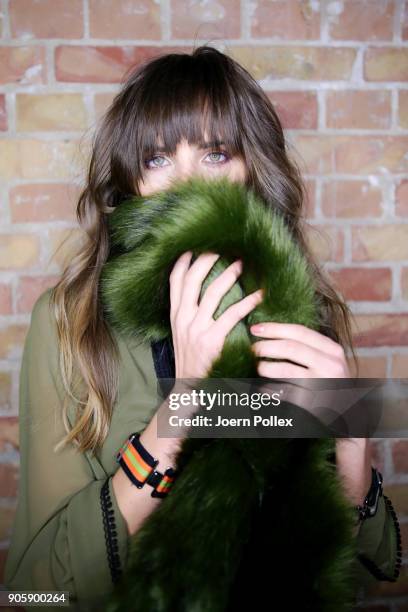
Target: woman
<point>175,116</point>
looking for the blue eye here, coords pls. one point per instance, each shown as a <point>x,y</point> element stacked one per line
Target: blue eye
<point>161,165</point>
<point>146,161</point>
<point>221,153</point>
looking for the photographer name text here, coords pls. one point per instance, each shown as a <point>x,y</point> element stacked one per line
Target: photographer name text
<point>206,421</point>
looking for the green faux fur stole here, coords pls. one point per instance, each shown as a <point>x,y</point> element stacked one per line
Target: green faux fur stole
<point>212,545</point>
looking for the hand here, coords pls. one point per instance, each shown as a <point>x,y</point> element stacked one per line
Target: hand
<point>353,460</point>
<point>198,338</point>
<point>317,357</point>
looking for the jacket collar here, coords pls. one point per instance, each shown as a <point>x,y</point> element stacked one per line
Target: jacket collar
<point>164,363</point>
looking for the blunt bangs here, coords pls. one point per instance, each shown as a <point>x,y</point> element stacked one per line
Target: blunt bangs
<point>187,97</point>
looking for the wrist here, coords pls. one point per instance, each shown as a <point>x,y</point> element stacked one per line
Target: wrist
<point>142,468</point>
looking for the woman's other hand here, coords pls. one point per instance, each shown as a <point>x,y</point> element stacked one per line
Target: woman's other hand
<point>315,356</point>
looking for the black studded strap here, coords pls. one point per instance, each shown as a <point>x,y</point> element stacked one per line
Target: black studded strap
<point>371,566</point>
<point>110,530</point>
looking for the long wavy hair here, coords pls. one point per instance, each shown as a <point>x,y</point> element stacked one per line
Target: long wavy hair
<point>170,97</point>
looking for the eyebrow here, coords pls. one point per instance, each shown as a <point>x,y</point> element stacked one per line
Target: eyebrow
<point>203,144</point>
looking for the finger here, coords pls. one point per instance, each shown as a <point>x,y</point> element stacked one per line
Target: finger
<point>217,289</point>
<point>176,279</point>
<point>193,281</point>
<point>301,395</point>
<point>282,370</point>
<point>236,312</point>
<point>305,355</point>
<point>301,333</point>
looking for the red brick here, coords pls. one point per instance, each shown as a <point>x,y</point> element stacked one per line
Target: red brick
<point>23,65</point>
<point>381,329</point>
<point>94,64</point>
<point>405,23</point>
<point>358,20</point>
<point>359,109</point>
<point>8,480</point>
<point>46,18</point>
<point>3,115</point>
<point>296,109</point>
<point>6,522</point>
<point>42,202</point>
<point>386,64</point>
<point>5,299</point>
<point>400,456</point>
<point>9,434</point>
<point>401,199</point>
<point>350,199</point>
<point>371,284</point>
<point>30,288</point>
<point>129,19</point>
<point>285,20</point>
<point>205,19</point>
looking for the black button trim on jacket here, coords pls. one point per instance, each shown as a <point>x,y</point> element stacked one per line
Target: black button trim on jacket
<point>109,526</point>
<point>371,566</point>
<point>163,359</point>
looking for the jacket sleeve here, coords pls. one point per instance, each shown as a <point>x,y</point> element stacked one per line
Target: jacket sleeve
<point>58,539</point>
<point>379,545</point>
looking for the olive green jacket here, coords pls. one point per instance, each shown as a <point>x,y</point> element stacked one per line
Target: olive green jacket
<point>58,540</point>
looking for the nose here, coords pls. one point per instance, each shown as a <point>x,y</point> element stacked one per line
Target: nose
<point>186,169</point>
<point>187,161</point>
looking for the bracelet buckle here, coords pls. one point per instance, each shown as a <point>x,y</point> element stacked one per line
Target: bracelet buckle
<point>370,504</point>
<point>140,467</point>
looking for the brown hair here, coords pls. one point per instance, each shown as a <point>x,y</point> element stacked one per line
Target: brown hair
<point>171,96</point>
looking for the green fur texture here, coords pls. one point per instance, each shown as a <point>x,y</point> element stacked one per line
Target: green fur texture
<point>248,521</point>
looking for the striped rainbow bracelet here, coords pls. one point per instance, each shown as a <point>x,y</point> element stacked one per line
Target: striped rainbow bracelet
<point>139,466</point>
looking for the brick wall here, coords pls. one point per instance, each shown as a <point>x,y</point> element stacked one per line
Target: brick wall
<point>337,73</point>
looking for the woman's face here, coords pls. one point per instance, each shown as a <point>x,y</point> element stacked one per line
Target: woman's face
<point>205,160</point>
